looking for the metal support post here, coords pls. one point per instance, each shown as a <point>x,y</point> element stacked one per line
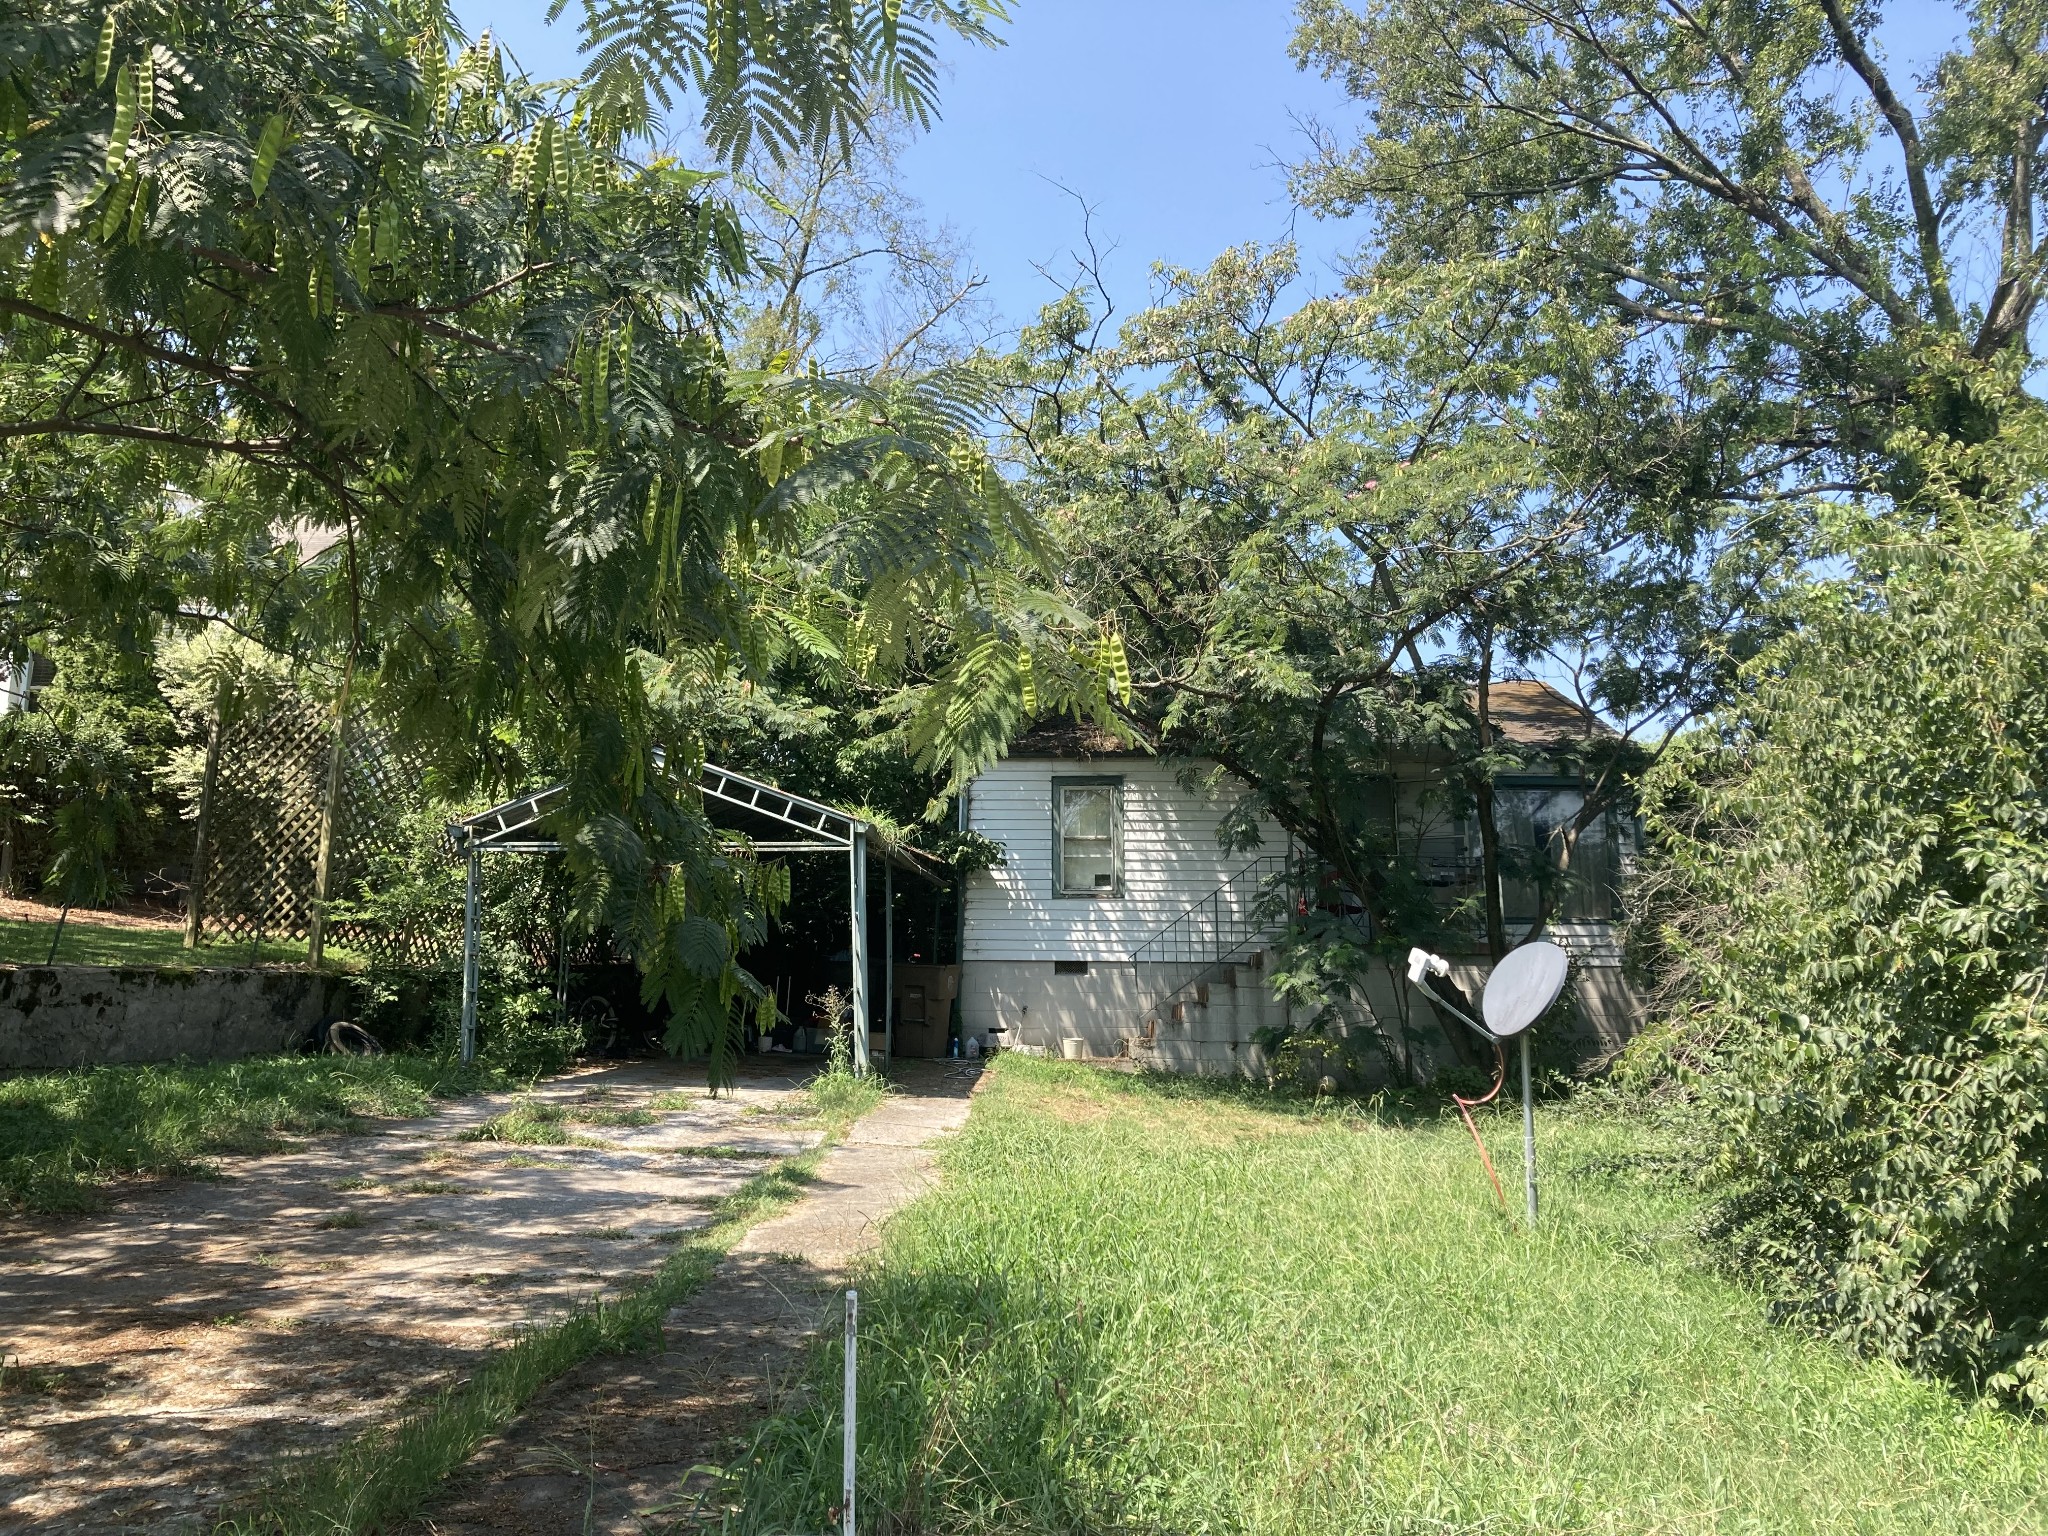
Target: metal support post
<point>888,964</point>
<point>471,922</point>
<point>850,1443</point>
<point>1528,1132</point>
<point>857,948</point>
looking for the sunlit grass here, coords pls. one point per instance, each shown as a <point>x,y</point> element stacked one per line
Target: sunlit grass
<point>529,1123</point>
<point>84,942</point>
<point>1144,1306</point>
<point>64,1135</point>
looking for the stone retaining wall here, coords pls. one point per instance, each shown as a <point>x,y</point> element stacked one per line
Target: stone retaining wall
<point>54,1016</point>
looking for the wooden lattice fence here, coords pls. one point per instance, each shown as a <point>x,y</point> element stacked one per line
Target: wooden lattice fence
<point>264,819</point>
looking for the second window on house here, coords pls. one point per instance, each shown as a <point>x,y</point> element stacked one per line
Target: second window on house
<point>1088,843</point>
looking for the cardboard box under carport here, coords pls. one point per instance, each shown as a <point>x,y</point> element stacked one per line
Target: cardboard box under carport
<point>924,1008</point>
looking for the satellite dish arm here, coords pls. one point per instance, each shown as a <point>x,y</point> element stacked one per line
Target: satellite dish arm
<point>1430,986</point>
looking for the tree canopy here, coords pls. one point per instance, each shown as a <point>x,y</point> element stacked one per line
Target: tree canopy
<point>1759,260</point>
<point>1776,292</point>
<point>324,324</point>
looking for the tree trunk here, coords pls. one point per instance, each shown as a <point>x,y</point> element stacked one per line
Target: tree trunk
<point>1483,811</point>
<point>195,887</point>
<point>1489,868</point>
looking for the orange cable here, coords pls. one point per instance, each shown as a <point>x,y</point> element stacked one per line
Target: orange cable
<point>1465,1108</point>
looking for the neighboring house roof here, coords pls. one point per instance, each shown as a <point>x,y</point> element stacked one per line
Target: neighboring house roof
<point>309,541</point>
<point>1534,714</point>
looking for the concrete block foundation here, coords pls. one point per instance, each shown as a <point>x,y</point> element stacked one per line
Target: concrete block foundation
<point>1156,1015</point>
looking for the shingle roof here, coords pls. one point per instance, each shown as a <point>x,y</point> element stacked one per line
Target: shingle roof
<point>1534,714</point>
<point>1526,712</point>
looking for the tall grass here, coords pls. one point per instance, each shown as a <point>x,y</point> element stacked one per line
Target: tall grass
<point>63,1135</point>
<point>1138,1306</point>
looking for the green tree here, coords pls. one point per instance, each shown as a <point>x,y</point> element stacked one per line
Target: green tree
<point>1855,893</point>
<point>1322,528</point>
<point>92,814</point>
<point>851,275</point>
<point>1779,289</point>
<point>410,365</point>
<point>1746,251</point>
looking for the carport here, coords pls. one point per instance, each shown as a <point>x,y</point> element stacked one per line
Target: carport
<point>799,825</point>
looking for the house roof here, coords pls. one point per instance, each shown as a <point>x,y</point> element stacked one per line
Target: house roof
<point>1534,714</point>
<point>1526,712</point>
<point>1064,737</point>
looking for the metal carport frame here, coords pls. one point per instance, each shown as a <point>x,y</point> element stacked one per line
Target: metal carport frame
<point>516,827</point>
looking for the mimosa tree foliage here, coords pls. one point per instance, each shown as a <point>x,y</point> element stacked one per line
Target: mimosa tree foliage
<point>324,324</point>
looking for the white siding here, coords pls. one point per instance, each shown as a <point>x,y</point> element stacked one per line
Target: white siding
<point>1171,860</point>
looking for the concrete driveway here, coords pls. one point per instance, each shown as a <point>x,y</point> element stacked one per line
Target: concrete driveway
<point>162,1354</point>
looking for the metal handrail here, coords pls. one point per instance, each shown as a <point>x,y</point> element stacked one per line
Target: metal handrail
<point>1223,922</point>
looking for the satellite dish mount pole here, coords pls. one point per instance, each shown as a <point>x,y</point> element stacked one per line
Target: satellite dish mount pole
<point>1522,988</point>
<point>1528,1132</point>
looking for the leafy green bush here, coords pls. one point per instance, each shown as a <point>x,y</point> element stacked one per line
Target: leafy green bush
<point>838,1091</point>
<point>522,1033</point>
<point>1860,856</point>
<point>87,805</point>
<point>411,885</point>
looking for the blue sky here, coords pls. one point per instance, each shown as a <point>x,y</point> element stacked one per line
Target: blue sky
<point>1171,118</point>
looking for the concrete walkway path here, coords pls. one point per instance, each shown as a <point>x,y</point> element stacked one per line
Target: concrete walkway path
<point>162,1354</point>
<point>623,1445</point>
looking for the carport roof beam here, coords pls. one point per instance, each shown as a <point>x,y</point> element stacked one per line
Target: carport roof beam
<point>515,826</point>
<point>509,828</point>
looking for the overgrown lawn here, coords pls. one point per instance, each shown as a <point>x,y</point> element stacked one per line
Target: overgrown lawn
<point>63,1135</point>
<point>1145,1306</point>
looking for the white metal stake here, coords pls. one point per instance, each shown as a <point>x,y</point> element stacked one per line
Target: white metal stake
<point>847,1452</point>
<point>1528,1132</point>
<point>888,964</point>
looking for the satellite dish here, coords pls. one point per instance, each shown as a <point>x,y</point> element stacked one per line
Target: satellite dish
<point>1522,987</point>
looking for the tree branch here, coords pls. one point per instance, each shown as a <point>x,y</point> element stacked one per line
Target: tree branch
<point>1926,218</point>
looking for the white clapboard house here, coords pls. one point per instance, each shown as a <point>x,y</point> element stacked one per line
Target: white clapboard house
<point>1118,925</point>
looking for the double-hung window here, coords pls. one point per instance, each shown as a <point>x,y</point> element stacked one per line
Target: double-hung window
<point>1088,837</point>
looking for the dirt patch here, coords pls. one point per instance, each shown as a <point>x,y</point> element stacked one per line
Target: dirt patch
<point>1070,1107</point>
<point>164,1354</point>
<point>18,909</point>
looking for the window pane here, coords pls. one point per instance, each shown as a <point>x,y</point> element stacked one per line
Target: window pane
<point>1088,871</point>
<point>1085,811</point>
<point>1087,820</point>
